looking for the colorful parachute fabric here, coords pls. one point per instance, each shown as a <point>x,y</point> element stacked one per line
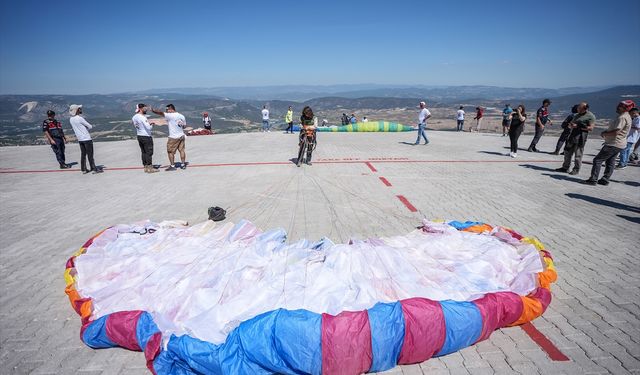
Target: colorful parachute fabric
<point>232,299</point>
<point>372,126</point>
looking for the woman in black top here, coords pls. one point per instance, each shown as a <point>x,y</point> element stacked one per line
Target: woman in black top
<point>518,118</point>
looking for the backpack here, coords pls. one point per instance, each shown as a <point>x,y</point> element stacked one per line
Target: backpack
<point>216,213</point>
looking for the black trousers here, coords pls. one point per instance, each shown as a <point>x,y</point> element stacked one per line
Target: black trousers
<point>289,127</point>
<point>146,147</point>
<point>607,155</point>
<point>58,149</point>
<point>563,138</point>
<point>86,152</point>
<point>514,134</point>
<point>537,136</point>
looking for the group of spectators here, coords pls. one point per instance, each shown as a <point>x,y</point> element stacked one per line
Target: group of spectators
<point>176,122</point>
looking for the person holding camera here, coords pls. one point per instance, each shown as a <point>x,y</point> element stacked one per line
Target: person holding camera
<point>581,124</point>
<point>516,126</point>
<point>542,121</point>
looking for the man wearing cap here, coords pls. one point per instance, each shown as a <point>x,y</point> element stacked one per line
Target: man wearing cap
<point>206,121</point>
<point>81,128</point>
<point>52,129</point>
<point>176,140</point>
<point>615,140</point>
<point>145,140</point>
<point>542,120</point>
<point>423,116</point>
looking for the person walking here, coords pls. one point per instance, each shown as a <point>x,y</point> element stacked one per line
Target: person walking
<point>615,140</point>
<point>265,119</point>
<point>506,119</point>
<point>566,130</point>
<point>460,119</point>
<point>206,121</point>
<point>288,119</point>
<point>145,140</point>
<point>52,130</point>
<point>478,118</point>
<point>176,140</point>
<point>516,126</point>
<point>423,116</point>
<point>81,129</point>
<point>632,138</point>
<point>581,124</point>
<point>542,120</point>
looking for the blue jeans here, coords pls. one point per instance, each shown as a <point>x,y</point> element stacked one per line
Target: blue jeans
<point>422,133</point>
<point>624,154</point>
<point>460,126</point>
<point>265,125</point>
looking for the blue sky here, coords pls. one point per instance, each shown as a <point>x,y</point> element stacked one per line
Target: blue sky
<point>79,47</point>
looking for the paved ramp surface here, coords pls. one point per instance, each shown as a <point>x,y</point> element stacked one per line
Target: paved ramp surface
<point>360,185</point>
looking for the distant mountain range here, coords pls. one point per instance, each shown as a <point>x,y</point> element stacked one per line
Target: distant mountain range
<point>438,93</point>
<point>21,115</point>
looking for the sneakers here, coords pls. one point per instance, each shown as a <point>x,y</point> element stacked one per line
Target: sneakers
<point>513,154</point>
<point>183,166</point>
<point>64,166</point>
<point>150,169</point>
<point>602,181</point>
<point>555,153</point>
<point>620,166</point>
<point>96,171</point>
<point>589,182</point>
<point>563,170</point>
<point>574,172</point>
<point>85,172</point>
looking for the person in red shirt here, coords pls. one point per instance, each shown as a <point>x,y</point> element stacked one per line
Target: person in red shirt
<point>478,118</point>
<point>52,130</point>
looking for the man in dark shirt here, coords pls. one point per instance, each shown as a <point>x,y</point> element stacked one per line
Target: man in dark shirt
<point>581,124</point>
<point>52,129</point>
<point>542,120</point>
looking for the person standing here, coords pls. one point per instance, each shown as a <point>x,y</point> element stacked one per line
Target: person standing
<point>288,119</point>
<point>176,140</point>
<point>423,116</point>
<point>364,119</point>
<point>506,119</point>
<point>353,119</point>
<point>566,130</point>
<point>615,140</point>
<point>632,138</point>
<point>308,126</point>
<point>265,119</point>
<point>581,124</point>
<point>460,119</point>
<point>542,120</point>
<point>145,140</point>
<point>206,121</point>
<point>478,118</point>
<point>81,128</point>
<point>516,126</point>
<point>345,119</point>
<point>52,130</point>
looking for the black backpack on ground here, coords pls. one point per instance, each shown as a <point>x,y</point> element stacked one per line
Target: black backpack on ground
<point>217,213</point>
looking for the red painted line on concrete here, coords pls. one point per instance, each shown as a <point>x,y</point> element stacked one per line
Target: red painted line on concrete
<point>288,163</point>
<point>539,338</point>
<point>385,181</point>
<point>373,169</point>
<point>406,202</point>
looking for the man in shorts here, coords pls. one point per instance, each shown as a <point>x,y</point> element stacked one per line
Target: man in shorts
<point>506,119</point>
<point>176,140</point>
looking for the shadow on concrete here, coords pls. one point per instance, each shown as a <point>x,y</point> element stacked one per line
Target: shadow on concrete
<point>407,143</point>
<point>538,168</point>
<point>563,177</point>
<point>493,153</point>
<point>72,164</point>
<point>630,218</point>
<point>604,202</point>
<point>630,183</point>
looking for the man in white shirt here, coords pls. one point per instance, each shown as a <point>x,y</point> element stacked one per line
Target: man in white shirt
<point>460,119</point>
<point>176,140</point>
<point>81,129</point>
<point>265,119</point>
<point>423,116</point>
<point>206,120</point>
<point>145,140</point>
